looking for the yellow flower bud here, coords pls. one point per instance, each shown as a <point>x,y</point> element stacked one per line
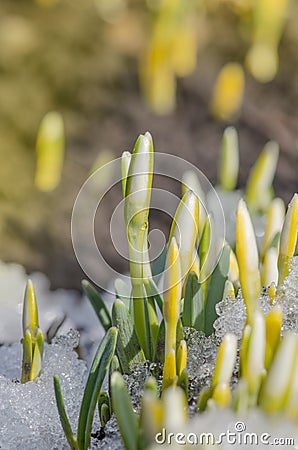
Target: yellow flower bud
<point>288,239</point>
<point>30,311</point>
<point>229,291</point>
<point>172,295</point>
<point>259,185</point>
<point>222,395</point>
<point>272,292</point>
<point>169,377</point>
<point>248,259</point>
<point>181,357</point>
<point>278,384</point>
<point>269,270</point>
<point>50,152</point>
<point>228,92</point>
<point>233,275</point>
<point>273,328</point>
<point>226,359</point>
<point>185,229</point>
<point>274,222</point>
<point>229,161</point>
<point>190,181</point>
<point>174,400</point>
<point>255,355</point>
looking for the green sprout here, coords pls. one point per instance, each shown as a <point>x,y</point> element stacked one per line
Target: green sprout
<point>191,182</point>
<point>50,152</point>
<point>259,192</point>
<point>136,211</point>
<point>229,164</point>
<point>248,259</point>
<point>99,367</point>
<point>104,408</point>
<point>288,239</point>
<point>262,58</point>
<point>33,341</point>
<point>228,92</point>
<point>274,222</point>
<point>171,311</point>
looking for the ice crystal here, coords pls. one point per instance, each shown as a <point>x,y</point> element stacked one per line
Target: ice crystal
<point>202,353</point>
<point>28,412</point>
<point>288,297</point>
<point>232,312</point>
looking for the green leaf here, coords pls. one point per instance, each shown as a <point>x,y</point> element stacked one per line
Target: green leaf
<point>216,288</point>
<point>203,253</point>
<point>98,304</point>
<point>158,264</point>
<point>160,348</point>
<point>104,414</point>
<point>204,396</point>
<point>63,416</point>
<point>123,292</point>
<point>241,397</point>
<point>125,162</point>
<point>140,318</point>
<point>27,356</point>
<point>152,386</point>
<point>205,242</point>
<point>114,367</point>
<point>145,320</point>
<point>193,306</point>
<point>152,291</point>
<point>104,408</point>
<point>152,324</point>
<point>128,348</point>
<point>183,382</point>
<point>37,355</point>
<point>275,241</point>
<point>96,376</point>
<point>126,417</point>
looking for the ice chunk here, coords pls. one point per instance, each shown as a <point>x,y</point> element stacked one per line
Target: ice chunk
<point>201,357</point>
<point>232,316</point>
<point>232,313</point>
<point>28,413</point>
<point>11,361</point>
<point>288,297</point>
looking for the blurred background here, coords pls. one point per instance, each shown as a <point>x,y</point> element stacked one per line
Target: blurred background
<point>112,69</point>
